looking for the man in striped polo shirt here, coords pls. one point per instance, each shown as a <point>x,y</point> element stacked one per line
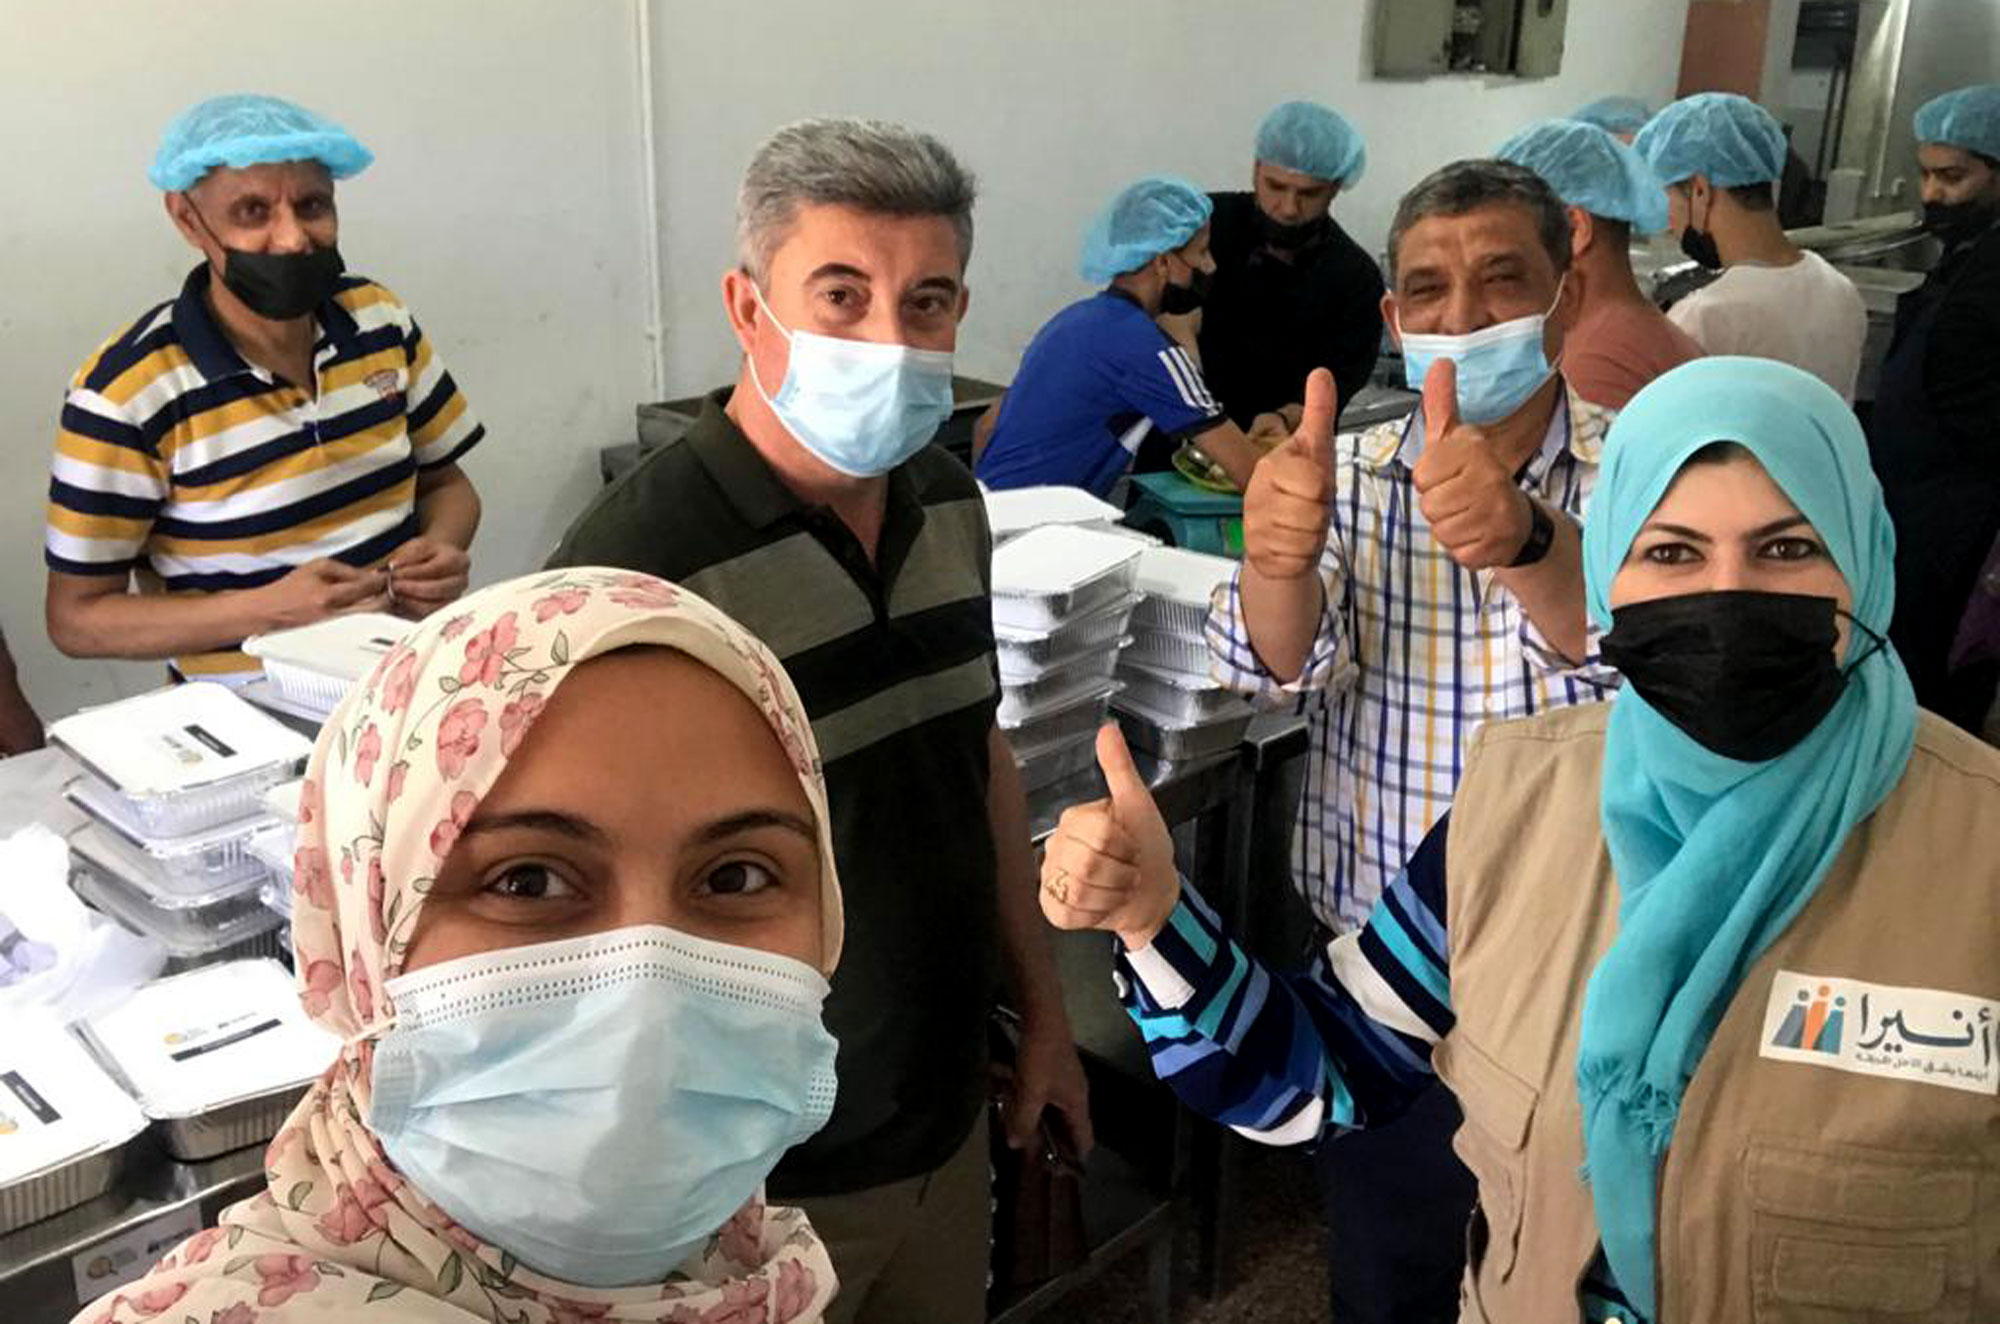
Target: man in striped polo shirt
<point>807,504</point>
<point>276,445</point>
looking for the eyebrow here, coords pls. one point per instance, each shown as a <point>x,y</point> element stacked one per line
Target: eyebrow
<point>846,271</point>
<point>1696,535</point>
<point>750,820</point>
<point>540,820</point>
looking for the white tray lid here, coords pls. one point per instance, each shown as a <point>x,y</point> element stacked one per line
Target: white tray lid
<point>177,739</point>
<point>56,1104</point>
<point>1057,559</point>
<point>275,844</point>
<point>194,1042</point>
<point>1179,575</point>
<point>345,647</point>
<point>1022,508</point>
<point>283,799</point>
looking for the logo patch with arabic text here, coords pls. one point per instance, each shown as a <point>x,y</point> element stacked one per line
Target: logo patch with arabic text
<point>1926,1035</point>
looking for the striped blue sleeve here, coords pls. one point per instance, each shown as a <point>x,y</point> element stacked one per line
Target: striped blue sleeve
<point>1345,1042</point>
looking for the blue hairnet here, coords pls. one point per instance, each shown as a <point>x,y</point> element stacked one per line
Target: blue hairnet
<point>1154,216</point>
<point>1307,137</point>
<point>1968,118</point>
<point>1614,114</point>
<point>1731,139</point>
<point>245,129</point>
<point>1589,168</point>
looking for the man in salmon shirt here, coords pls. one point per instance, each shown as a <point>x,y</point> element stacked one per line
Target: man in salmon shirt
<point>1620,341</point>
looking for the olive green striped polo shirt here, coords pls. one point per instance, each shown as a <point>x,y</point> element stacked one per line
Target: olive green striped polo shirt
<point>894,661</point>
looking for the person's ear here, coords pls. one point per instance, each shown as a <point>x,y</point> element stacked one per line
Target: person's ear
<point>181,212</point>
<point>1389,319</point>
<point>1701,197</point>
<point>740,304</point>
<point>1582,232</point>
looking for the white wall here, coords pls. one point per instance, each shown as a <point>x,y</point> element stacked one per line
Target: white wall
<point>503,206</point>
<point>1058,105</point>
<point>507,202</point>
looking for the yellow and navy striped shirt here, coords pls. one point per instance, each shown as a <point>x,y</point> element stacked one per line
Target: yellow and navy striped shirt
<point>179,458</point>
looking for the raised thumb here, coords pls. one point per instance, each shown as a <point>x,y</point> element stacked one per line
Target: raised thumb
<point>1129,792</point>
<point>1316,420</point>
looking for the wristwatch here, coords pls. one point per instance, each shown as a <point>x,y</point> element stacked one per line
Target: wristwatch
<point>1541,536</point>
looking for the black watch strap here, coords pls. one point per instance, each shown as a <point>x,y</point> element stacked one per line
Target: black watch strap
<point>1541,536</point>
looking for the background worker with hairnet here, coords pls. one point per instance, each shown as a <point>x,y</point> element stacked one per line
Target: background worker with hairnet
<point>260,449</point>
<point>1101,376</point>
<point>1934,433</point>
<point>1721,156</point>
<point>1620,340</point>
<point>1292,292</point>
<point>1621,117</point>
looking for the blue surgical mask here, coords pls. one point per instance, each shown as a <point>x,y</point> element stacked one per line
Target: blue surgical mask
<point>1499,366</point>
<point>861,406</point>
<point>600,1106</point>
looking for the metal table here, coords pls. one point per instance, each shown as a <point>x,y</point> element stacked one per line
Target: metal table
<point>1226,811</point>
<point>52,1269</point>
<point>1232,817</point>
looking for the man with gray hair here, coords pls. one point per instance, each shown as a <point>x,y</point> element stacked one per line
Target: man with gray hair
<point>807,504</point>
<point>1403,586</point>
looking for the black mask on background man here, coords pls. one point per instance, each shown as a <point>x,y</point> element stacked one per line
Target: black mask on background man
<point>1956,222</point>
<point>1180,300</point>
<point>279,286</point>
<point>1296,234</point>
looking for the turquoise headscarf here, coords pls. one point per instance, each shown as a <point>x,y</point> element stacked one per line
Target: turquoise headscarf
<point>1714,857</point>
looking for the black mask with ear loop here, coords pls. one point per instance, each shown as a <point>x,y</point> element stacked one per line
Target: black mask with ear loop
<point>1699,245</point>
<point>278,286</point>
<point>1745,674</point>
<point>1180,300</point>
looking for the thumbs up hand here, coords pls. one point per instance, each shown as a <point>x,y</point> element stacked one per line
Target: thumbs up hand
<point>1477,512</point>
<point>1110,864</point>
<point>1289,502</point>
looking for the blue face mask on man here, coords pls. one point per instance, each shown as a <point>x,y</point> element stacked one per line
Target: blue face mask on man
<point>1499,366</point>
<point>600,1106</point>
<point>861,406</point>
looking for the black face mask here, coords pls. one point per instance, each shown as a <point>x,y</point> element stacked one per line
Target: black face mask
<point>279,286</point>
<point>1747,675</point>
<point>1296,234</point>
<point>1180,300</point>
<point>1699,245</point>
<point>282,286</point>
<point>1955,222</point>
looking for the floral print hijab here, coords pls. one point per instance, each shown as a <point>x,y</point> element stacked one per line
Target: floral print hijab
<point>396,774</point>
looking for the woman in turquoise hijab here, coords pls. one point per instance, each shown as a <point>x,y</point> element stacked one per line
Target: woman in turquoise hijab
<point>1710,967</point>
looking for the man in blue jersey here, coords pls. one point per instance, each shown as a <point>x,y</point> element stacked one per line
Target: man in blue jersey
<point>1101,376</point>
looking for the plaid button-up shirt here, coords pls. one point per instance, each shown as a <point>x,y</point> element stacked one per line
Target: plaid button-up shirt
<point>1413,653</point>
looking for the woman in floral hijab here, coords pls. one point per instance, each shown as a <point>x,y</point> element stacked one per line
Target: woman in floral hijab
<point>390,814</point>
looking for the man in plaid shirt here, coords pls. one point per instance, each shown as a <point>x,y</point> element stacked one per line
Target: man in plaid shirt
<point>1404,586</point>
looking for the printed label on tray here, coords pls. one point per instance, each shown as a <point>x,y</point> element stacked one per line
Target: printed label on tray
<point>206,737</point>
<point>200,1040</point>
<point>22,1103</point>
<point>124,1259</point>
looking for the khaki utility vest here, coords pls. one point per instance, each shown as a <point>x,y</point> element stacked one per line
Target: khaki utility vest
<point>1797,1188</point>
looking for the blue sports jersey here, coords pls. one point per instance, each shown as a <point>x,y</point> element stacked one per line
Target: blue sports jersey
<point>1098,377</point>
